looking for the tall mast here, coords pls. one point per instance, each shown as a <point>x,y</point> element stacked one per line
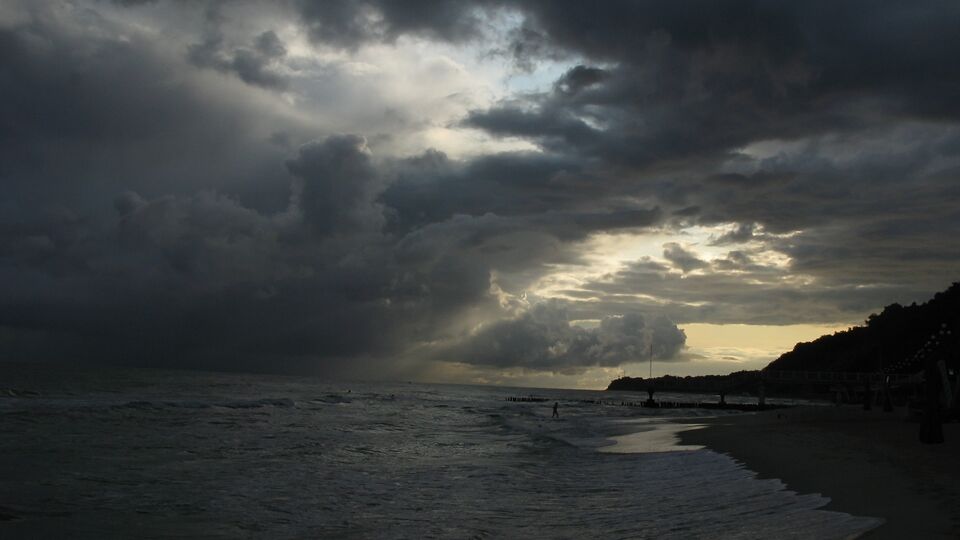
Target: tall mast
<point>651,360</point>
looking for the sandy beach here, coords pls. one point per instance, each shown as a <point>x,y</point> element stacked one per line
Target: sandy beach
<point>869,463</point>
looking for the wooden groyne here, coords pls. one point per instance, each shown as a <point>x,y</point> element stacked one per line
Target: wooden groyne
<point>661,404</point>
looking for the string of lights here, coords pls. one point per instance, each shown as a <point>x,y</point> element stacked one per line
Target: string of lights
<point>938,341</point>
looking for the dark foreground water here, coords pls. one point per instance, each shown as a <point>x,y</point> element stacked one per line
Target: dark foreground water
<point>109,453</point>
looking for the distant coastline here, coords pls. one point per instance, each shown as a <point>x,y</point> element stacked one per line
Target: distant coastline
<point>738,381</point>
<point>891,342</point>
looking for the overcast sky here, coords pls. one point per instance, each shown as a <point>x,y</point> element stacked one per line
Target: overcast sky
<point>528,192</point>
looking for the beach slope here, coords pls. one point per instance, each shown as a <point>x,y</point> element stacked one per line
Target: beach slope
<point>869,463</point>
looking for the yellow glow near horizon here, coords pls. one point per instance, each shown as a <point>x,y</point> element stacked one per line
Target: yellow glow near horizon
<point>712,349</point>
<point>765,337</point>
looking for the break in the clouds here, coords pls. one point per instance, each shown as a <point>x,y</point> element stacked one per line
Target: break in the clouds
<point>366,187</point>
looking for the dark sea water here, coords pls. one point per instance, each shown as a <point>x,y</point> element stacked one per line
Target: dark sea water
<point>141,453</point>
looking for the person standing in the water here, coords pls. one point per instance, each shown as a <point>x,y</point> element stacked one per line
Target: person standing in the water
<point>555,413</point>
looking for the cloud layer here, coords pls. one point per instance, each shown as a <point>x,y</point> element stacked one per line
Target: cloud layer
<point>353,187</point>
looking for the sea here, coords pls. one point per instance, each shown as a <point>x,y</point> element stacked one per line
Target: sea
<point>137,453</point>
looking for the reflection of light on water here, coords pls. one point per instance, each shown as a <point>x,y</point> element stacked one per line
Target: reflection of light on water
<point>652,437</point>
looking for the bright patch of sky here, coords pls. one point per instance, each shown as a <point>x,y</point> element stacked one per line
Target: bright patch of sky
<point>606,253</point>
<point>750,342</point>
<point>416,91</point>
<point>405,96</point>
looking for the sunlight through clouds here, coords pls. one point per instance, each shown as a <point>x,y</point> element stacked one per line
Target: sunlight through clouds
<point>490,191</point>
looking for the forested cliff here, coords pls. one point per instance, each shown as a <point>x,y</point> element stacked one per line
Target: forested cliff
<point>884,341</point>
<point>896,333</point>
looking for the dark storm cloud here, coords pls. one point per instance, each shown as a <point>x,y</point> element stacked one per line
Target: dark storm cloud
<point>543,339</point>
<point>681,258</point>
<point>679,89</point>
<point>105,108</point>
<point>874,214</point>
<point>549,191</point>
<point>161,210</point>
<point>432,188</point>
<point>337,184</point>
<point>171,273</point>
<point>205,281</point>
<point>695,81</point>
<point>255,64</point>
<point>580,77</point>
<point>744,232</point>
<point>351,23</point>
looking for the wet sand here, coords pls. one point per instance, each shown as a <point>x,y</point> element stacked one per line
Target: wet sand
<point>869,463</point>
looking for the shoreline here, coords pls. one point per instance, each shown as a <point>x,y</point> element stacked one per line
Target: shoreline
<point>868,463</point>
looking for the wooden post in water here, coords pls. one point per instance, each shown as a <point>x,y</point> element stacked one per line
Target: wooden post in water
<point>650,401</point>
<point>651,357</point>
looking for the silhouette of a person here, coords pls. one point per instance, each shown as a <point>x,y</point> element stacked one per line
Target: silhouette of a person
<point>555,413</point>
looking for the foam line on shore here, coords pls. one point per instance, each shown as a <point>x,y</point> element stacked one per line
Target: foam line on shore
<point>654,435</point>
